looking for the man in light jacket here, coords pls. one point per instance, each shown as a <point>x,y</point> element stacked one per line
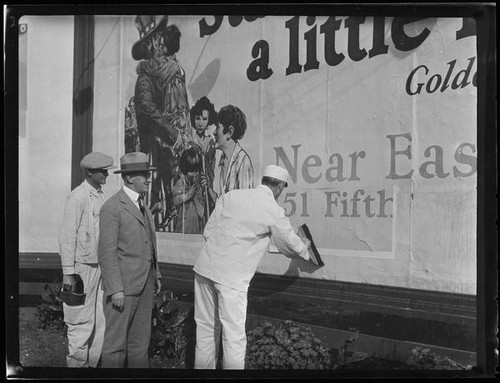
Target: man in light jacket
<point>237,235</point>
<point>78,238</point>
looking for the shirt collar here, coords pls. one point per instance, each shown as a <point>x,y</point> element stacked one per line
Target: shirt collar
<point>267,189</point>
<point>237,149</point>
<point>131,193</point>
<point>92,190</point>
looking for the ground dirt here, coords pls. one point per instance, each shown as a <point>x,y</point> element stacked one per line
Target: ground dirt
<point>48,348</point>
<point>40,347</point>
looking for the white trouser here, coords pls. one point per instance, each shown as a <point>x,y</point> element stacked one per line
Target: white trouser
<point>218,307</point>
<point>86,322</point>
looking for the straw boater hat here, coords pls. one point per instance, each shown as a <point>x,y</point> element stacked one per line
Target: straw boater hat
<point>276,172</point>
<point>97,160</point>
<point>134,162</point>
<point>146,25</point>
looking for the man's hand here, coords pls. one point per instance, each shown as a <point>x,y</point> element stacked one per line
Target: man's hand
<point>158,286</point>
<point>68,282</point>
<point>307,242</point>
<point>118,300</point>
<point>204,180</point>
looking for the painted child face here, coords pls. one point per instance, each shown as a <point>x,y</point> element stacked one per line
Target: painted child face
<point>221,138</point>
<point>193,176</point>
<point>201,122</point>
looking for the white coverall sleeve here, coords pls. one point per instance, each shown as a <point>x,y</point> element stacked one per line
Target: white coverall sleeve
<point>285,238</point>
<point>214,217</point>
<point>68,233</point>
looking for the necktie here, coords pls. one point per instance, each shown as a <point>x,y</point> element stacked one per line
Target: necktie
<point>141,204</point>
<point>140,200</point>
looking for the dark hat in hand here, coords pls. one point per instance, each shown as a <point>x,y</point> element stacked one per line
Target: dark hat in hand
<point>76,297</point>
<point>134,162</point>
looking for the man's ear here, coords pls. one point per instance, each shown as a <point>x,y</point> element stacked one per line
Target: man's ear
<point>230,130</point>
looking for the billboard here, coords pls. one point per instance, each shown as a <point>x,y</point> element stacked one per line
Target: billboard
<point>373,117</point>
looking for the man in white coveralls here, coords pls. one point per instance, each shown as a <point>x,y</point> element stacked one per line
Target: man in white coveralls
<point>237,236</point>
<point>78,238</point>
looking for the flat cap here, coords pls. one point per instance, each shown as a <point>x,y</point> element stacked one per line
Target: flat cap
<point>97,160</point>
<point>276,172</point>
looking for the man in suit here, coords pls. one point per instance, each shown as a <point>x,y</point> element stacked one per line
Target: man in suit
<point>130,275</point>
<point>77,239</point>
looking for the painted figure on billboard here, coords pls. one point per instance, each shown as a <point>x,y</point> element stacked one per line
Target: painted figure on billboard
<point>199,183</point>
<point>159,122</point>
<point>161,104</point>
<point>204,120</point>
<point>132,143</point>
<point>233,168</point>
<point>190,193</point>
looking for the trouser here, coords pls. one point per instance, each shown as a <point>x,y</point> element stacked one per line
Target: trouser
<point>86,322</point>
<point>128,332</point>
<point>219,309</point>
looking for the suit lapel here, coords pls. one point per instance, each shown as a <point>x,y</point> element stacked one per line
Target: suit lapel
<point>130,207</point>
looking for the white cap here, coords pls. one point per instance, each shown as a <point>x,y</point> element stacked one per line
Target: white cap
<point>276,172</point>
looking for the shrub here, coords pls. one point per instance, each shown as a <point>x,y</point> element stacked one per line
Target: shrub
<point>424,359</point>
<point>172,333</point>
<point>50,311</point>
<point>286,345</point>
<point>345,356</point>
